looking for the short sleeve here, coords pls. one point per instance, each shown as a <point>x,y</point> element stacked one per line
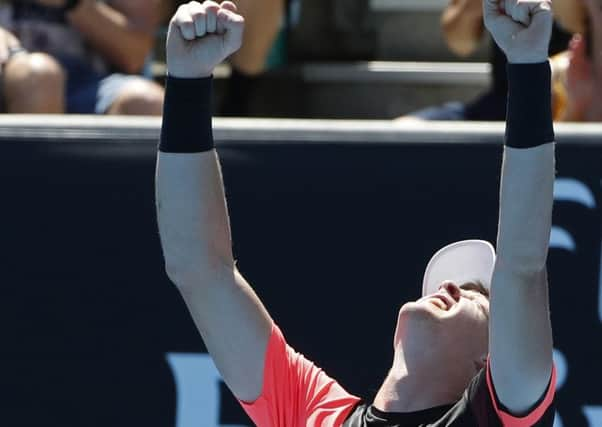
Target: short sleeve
<point>489,411</point>
<point>537,415</point>
<point>295,392</point>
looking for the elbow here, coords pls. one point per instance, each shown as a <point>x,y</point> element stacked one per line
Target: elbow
<point>527,265</point>
<point>177,274</point>
<point>131,64</point>
<point>462,48</point>
<point>462,37</point>
<point>198,273</point>
<point>132,57</point>
<point>459,44</point>
<point>185,277</point>
<point>523,253</point>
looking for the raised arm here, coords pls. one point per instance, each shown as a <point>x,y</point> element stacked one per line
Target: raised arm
<point>520,338</point>
<point>192,213</point>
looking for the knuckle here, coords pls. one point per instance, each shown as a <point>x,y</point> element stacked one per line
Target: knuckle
<point>186,22</point>
<point>179,12</point>
<point>187,29</point>
<point>182,15</point>
<point>198,15</point>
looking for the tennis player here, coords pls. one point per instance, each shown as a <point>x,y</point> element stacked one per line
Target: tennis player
<point>475,350</point>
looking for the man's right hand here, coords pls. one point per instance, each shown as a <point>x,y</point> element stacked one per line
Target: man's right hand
<point>201,36</point>
<point>521,28</point>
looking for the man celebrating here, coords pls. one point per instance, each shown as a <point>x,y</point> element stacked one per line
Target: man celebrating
<point>475,350</point>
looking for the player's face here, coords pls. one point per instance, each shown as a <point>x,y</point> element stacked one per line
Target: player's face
<point>452,323</point>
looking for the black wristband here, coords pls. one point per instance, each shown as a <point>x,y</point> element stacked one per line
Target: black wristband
<point>70,5</point>
<point>187,116</point>
<point>529,120</point>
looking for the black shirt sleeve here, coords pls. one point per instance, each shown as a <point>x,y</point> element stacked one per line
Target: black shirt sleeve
<point>488,411</point>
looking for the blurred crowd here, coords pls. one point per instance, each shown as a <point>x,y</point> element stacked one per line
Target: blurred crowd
<point>84,57</point>
<point>577,87</point>
<point>96,57</point>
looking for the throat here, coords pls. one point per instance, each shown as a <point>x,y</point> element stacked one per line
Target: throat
<point>416,386</point>
<point>413,393</point>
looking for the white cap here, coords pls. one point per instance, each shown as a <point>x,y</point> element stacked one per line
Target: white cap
<point>460,262</point>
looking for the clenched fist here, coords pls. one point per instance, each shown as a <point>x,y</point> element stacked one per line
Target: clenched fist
<point>521,28</point>
<point>201,36</point>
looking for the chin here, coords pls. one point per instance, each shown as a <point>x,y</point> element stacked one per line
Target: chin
<point>416,319</point>
<point>420,310</point>
<point>419,333</point>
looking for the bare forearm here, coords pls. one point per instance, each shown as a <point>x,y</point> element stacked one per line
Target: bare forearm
<point>462,24</point>
<point>527,183</point>
<point>124,42</point>
<point>526,208</point>
<point>192,214</point>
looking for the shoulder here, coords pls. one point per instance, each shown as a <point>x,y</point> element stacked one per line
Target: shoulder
<point>306,396</point>
<point>358,416</point>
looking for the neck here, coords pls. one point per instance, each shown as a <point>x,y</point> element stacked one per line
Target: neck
<point>426,385</point>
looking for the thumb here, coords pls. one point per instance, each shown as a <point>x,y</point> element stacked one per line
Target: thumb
<point>233,26</point>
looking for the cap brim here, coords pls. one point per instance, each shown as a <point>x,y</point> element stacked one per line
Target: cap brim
<point>460,262</point>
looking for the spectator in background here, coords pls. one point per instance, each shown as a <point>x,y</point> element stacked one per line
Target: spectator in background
<point>78,56</point>
<point>577,85</point>
<point>263,22</point>
<point>463,30</point>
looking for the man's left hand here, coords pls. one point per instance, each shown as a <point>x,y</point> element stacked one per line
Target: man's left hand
<point>521,28</point>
